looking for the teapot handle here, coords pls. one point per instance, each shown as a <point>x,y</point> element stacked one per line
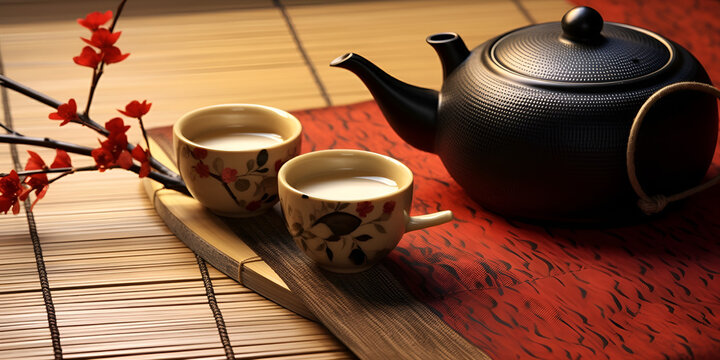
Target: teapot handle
<point>656,203</point>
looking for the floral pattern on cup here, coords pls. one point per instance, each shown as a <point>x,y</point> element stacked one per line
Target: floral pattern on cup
<point>254,176</point>
<point>348,223</point>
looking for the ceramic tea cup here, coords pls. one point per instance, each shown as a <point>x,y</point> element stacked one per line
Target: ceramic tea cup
<point>229,155</point>
<point>347,209</point>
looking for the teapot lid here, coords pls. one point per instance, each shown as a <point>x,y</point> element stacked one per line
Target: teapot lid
<point>582,49</point>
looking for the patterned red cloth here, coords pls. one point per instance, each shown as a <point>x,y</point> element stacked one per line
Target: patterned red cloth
<point>516,290</point>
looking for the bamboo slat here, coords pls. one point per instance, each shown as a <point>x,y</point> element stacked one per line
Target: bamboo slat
<point>179,61</point>
<point>392,35</point>
<point>546,10</point>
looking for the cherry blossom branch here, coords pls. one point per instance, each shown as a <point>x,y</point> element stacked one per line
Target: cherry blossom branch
<point>117,14</point>
<point>145,136</point>
<point>54,170</point>
<point>9,130</point>
<point>64,172</point>
<point>22,89</point>
<point>40,97</point>
<point>97,72</point>
<point>46,142</point>
<point>171,181</point>
<point>93,85</point>
<point>114,151</point>
<point>61,176</point>
<point>84,120</point>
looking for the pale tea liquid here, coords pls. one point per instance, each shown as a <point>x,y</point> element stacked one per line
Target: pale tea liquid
<point>237,139</point>
<point>346,187</point>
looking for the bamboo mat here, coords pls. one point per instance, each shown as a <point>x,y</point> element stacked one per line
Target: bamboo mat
<point>118,283</point>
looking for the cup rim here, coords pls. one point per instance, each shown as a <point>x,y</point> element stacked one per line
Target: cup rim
<point>297,131</point>
<point>282,181</point>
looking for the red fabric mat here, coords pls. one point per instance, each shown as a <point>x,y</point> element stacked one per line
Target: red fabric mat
<point>526,291</point>
<point>650,290</point>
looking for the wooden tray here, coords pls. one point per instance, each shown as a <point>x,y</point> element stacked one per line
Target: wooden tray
<point>209,236</point>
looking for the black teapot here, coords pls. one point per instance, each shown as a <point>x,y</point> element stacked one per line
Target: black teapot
<point>535,122</point>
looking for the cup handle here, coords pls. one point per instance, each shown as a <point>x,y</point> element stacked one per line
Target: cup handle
<point>422,221</point>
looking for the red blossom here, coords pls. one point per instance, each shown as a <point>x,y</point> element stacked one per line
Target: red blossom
<point>113,151</point>
<point>65,112</point>
<point>143,157</point>
<point>202,169</point>
<point>103,38</point>
<point>40,190</point>
<point>37,182</point>
<point>113,55</point>
<point>117,143</point>
<point>136,109</point>
<point>10,187</point>
<point>116,125</point>
<point>104,159</point>
<point>199,153</point>
<point>253,205</point>
<point>62,160</point>
<point>117,139</point>
<point>363,208</point>
<point>95,19</point>
<point>125,160</point>
<point>229,175</point>
<point>88,57</point>
<point>388,207</point>
<point>35,162</point>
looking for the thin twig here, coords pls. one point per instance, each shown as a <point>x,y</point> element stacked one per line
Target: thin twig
<point>61,176</point>
<point>46,142</point>
<point>9,130</point>
<point>83,119</point>
<point>54,170</point>
<point>117,15</point>
<point>86,121</point>
<point>72,171</point>
<point>97,72</point>
<point>33,94</point>
<point>171,180</point>
<point>144,133</point>
<point>40,97</point>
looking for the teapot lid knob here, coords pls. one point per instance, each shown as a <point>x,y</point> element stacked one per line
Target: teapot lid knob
<point>582,24</point>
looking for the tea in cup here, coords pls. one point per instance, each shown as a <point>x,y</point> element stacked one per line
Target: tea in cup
<point>347,209</point>
<point>229,155</point>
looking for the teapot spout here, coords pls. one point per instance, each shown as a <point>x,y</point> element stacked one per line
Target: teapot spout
<point>410,110</point>
<point>450,48</point>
